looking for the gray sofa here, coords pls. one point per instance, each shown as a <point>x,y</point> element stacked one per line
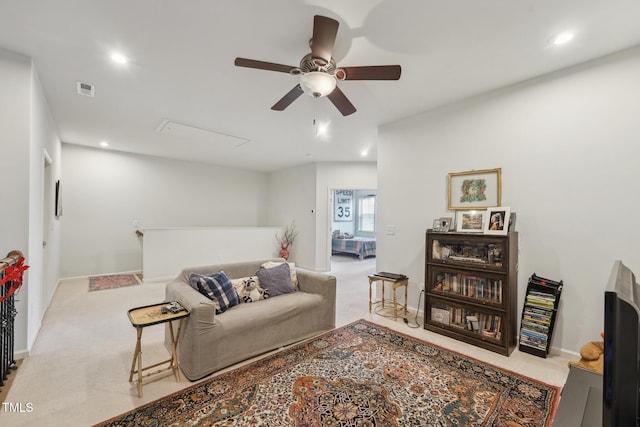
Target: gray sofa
<point>209,342</point>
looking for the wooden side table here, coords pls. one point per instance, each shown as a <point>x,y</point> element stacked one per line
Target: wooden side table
<point>395,283</point>
<point>149,315</point>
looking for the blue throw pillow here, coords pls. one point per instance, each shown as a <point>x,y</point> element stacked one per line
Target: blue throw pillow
<point>218,288</point>
<point>276,280</point>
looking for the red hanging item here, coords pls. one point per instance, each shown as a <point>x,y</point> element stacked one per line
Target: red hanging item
<point>13,275</point>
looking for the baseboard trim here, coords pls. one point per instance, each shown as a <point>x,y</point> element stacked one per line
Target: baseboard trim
<point>20,354</point>
<point>101,274</point>
<point>157,279</point>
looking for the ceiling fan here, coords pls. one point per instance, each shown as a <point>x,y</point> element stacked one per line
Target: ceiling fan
<point>318,70</point>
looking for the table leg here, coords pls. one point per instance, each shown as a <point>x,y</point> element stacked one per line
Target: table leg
<point>140,373</point>
<point>406,287</point>
<point>370,284</point>
<point>137,356</point>
<point>382,293</point>
<point>174,353</point>
<point>395,305</point>
<point>176,348</point>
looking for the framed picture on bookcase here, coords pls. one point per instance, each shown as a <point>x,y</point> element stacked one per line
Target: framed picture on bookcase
<point>470,221</point>
<point>497,220</point>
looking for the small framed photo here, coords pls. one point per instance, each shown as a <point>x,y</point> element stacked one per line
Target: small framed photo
<point>446,223</point>
<point>497,221</point>
<point>440,226</point>
<point>470,221</point>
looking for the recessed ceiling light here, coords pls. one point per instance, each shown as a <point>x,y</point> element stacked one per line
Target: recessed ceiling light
<point>119,58</point>
<point>104,144</point>
<point>364,153</point>
<point>563,38</point>
<point>322,129</point>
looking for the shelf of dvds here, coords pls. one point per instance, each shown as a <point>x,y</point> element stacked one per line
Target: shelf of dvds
<point>471,288</point>
<point>539,315</point>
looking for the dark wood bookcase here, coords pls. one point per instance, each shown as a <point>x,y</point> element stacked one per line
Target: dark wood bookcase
<point>471,288</point>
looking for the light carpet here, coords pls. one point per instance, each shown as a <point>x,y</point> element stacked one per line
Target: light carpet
<point>361,374</point>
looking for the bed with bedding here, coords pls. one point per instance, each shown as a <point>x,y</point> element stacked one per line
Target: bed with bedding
<point>361,246</point>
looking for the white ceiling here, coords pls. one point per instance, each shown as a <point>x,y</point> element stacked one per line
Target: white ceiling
<point>181,66</point>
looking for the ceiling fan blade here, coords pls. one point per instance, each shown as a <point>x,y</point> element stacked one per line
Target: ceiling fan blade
<point>341,102</point>
<point>262,65</point>
<point>286,100</point>
<point>324,37</point>
<point>372,72</point>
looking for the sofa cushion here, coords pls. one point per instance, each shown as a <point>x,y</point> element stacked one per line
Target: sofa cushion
<point>292,270</point>
<point>241,288</point>
<point>218,288</point>
<point>276,280</point>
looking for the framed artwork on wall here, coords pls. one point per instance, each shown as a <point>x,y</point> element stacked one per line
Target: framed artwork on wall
<point>58,200</point>
<point>477,189</point>
<point>470,221</point>
<point>497,221</point>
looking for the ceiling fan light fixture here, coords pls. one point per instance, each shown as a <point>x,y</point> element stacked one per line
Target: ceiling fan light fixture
<point>317,83</point>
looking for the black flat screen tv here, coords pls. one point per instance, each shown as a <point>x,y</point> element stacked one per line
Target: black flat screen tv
<point>621,378</point>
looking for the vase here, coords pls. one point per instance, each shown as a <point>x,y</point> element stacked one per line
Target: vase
<point>284,250</point>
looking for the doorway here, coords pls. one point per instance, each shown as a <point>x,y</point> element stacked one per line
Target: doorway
<point>351,232</point>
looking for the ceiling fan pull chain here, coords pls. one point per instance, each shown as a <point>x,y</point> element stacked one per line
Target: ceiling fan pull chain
<point>315,108</point>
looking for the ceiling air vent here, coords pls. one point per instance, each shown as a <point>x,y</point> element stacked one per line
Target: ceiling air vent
<point>86,89</point>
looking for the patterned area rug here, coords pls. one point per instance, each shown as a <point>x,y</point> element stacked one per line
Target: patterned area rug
<point>112,281</point>
<point>358,375</point>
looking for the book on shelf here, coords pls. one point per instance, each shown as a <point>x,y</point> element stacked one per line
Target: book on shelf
<point>469,286</point>
<point>467,259</point>
<point>441,315</point>
<point>472,323</point>
<point>391,276</point>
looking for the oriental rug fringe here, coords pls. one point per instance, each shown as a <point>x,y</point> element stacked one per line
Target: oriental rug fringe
<point>361,374</point>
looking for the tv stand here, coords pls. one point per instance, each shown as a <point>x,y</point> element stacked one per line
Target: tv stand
<point>581,400</point>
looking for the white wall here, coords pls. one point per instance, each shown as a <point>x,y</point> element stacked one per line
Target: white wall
<point>292,197</point>
<point>44,277</point>
<point>105,191</point>
<point>301,193</point>
<point>15,93</point>
<point>27,131</point>
<point>568,145</point>
<point>167,251</point>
